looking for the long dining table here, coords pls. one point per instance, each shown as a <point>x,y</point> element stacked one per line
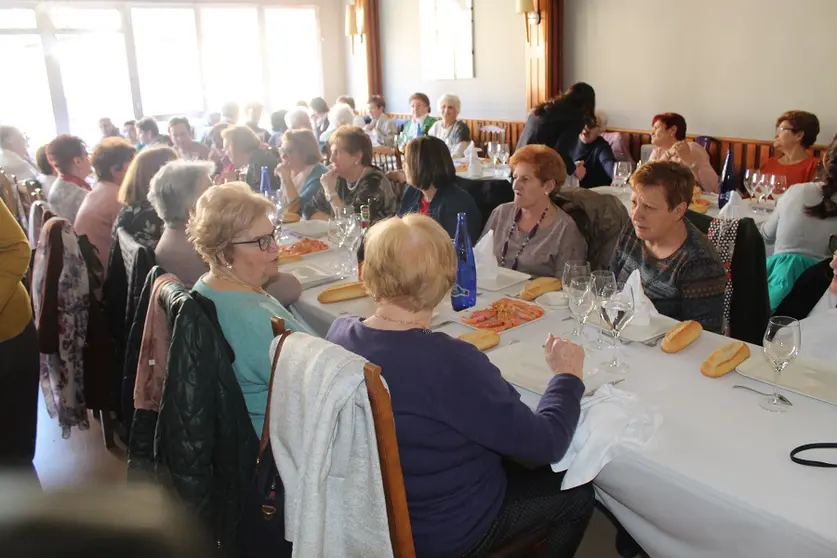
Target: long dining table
<point>716,480</point>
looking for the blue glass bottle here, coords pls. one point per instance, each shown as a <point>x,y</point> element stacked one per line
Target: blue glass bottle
<point>418,129</point>
<point>464,293</point>
<point>265,187</point>
<point>727,183</point>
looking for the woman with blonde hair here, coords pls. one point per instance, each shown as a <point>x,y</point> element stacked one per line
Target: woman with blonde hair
<point>231,231</point>
<point>301,170</point>
<point>138,217</point>
<point>457,418</point>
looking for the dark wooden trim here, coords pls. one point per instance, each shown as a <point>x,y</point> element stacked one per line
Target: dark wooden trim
<point>544,56</point>
<point>372,30</point>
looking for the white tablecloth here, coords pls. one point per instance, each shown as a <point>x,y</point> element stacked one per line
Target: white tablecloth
<point>716,481</point>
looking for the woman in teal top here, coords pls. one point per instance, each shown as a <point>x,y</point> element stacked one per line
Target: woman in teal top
<point>233,234</point>
<point>300,169</point>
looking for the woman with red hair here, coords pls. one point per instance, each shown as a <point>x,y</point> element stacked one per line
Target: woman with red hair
<point>668,136</point>
<point>796,132</point>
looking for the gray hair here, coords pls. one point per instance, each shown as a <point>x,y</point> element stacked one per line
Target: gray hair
<point>6,132</point>
<point>294,116</point>
<point>449,98</point>
<point>176,187</point>
<point>340,114</point>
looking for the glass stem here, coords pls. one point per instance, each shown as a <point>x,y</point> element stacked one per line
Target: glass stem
<point>777,370</point>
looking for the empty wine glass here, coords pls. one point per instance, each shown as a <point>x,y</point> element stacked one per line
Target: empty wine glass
<point>617,310</point>
<point>504,154</point>
<point>601,279</point>
<point>494,152</point>
<point>782,341</point>
<point>582,301</point>
<point>573,269</point>
<point>621,173</point>
<point>751,181</point>
<point>765,187</point>
<point>780,186</point>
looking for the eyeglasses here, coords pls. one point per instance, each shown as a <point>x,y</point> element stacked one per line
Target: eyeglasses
<point>265,242</point>
<point>780,129</point>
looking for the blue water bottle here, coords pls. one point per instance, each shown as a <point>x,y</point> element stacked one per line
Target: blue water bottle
<point>464,293</point>
<point>727,184</point>
<point>418,129</point>
<point>265,187</point>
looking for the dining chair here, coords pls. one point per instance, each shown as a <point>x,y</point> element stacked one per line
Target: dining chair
<point>489,133</point>
<point>11,196</point>
<point>387,159</point>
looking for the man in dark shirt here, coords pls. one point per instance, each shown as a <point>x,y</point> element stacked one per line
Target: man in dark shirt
<point>593,157</point>
<point>682,273</point>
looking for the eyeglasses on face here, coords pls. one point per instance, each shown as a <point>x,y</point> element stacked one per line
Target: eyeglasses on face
<point>265,242</point>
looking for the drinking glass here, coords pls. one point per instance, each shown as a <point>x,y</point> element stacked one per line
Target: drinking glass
<point>621,173</point>
<point>751,181</point>
<point>504,154</point>
<point>573,269</point>
<point>617,310</point>
<point>601,280</point>
<point>765,187</point>
<point>582,301</point>
<point>780,186</point>
<point>782,341</point>
<point>494,152</point>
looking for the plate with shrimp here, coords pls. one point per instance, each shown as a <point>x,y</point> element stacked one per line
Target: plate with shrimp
<point>503,314</point>
<point>300,246</point>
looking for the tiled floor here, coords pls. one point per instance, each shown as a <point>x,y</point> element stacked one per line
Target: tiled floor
<point>82,459</point>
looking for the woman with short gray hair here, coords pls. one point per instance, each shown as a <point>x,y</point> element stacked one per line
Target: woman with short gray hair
<point>453,132</point>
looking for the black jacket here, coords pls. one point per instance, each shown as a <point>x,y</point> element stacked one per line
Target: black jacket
<point>203,446</point>
<point>449,201</point>
<point>557,126</point>
<point>598,161</point>
<point>807,291</point>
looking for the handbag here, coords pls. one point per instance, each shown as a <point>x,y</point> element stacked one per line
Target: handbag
<point>262,528</point>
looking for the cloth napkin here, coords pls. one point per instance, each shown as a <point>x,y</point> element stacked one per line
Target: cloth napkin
<point>612,423</point>
<point>736,208</point>
<point>468,150</point>
<point>643,307</point>
<point>486,262</point>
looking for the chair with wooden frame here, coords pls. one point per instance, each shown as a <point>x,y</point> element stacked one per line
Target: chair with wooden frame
<point>388,159</point>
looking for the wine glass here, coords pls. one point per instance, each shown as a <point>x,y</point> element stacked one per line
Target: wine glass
<point>504,154</point>
<point>621,173</point>
<point>494,152</point>
<point>601,279</point>
<point>780,186</point>
<point>617,310</point>
<point>765,187</point>
<point>582,301</point>
<point>751,181</point>
<point>573,269</point>
<point>782,341</point>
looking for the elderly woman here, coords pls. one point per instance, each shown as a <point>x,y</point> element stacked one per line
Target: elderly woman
<point>804,220</point>
<point>298,118</point>
<point>301,171</point>
<point>433,190</point>
<point>668,135</point>
<point>381,129</point>
<point>593,157</point>
<point>421,122</point>
<point>351,181</point>
<point>69,156</point>
<point>47,175</point>
<point>455,133</point>
<point>244,148</point>
<point>681,272</point>
<point>340,114</point>
<point>357,120</point>
<point>138,217</point>
<point>457,418</point>
<point>796,132</point>
<point>532,234</point>
<point>231,231</point>
<point>319,115</point>
<point>101,206</point>
<point>14,154</point>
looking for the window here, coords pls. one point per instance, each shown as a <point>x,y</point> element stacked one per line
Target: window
<point>447,39</point>
<point>167,60</point>
<point>293,54</point>
<point>22,67</point>
<point>17,18</point>
<point>86,19</point>
<point>232,59</point>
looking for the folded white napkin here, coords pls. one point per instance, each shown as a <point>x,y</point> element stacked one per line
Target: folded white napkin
<point>468,150</point>
<point>735,208</point>
<point>612,423</point>
<point>643,307</point>
<point>486,262</point>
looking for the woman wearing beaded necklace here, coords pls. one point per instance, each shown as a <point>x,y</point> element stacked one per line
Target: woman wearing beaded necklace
<point>231,231</point>
<point>532,234</point>
<point>352,180</point>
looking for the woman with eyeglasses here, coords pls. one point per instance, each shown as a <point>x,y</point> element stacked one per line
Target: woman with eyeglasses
<point>796,132</point>
<point>231,231</point>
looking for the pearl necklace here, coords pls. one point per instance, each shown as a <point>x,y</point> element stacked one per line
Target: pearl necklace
<point>353,187</point>
<point>400,322</point>
<point>235,280</point>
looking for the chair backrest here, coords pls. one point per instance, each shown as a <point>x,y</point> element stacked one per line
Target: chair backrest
<point>388,159</point>
<point>645,152</point>
<point>712,147</point>
<point>10,195</point>
<point>489,133</point>
<point>600,218</point>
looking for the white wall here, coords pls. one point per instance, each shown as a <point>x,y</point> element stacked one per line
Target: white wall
<point>499,88</point>
<point>730,67</point>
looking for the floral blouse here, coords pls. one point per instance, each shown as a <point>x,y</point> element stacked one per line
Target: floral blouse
<point>373,189</point>
<point>141,222</point>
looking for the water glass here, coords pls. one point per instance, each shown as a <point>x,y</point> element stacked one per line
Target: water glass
<point>494,152</point>
<point>782,341</point>
<point>622,171</point>
<point>601,280</point>
<point>780,186</point>
<point>573,269</point>
<point>765,187</point>
<point>582,301</point>
<point>504,154</point>
<point>617,310</point>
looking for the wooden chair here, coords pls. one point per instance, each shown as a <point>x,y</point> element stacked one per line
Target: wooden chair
<point>489,133</point>
<point>388,159</point>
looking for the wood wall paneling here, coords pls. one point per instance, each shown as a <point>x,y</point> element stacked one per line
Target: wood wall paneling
<point>371,28</point>
<point>544,53</point>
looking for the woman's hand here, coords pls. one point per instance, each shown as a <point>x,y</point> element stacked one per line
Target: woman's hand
<point>329,181</point>
<point>283,171</point>
<point>580,170</point>
<point>564,357</point>
<point>681,151</point>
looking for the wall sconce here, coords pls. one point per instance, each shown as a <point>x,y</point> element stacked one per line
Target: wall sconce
<point>533,16</point>
<point>351,24</point>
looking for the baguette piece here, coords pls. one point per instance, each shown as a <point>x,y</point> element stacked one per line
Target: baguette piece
<point>542,285</point>
<point>482,339</point>
<point>681,336</point>
<point>724,359</point>
<point>339,293</point>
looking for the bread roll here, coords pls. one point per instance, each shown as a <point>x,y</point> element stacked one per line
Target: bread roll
<point>542,285</point>
<point>699,208</point>
<point>339,293</point>
<point>681,336</point>
<point>482,339</point>
<point>725,359</point>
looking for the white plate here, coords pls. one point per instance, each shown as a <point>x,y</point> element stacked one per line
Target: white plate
<point>812,378</point>
<point>556,299</point>
<point>505,279</point>
<point>659,325</point>
<point>294,237</point>
<point>311,276</point>
<point>470,311</point>
<point>523,365</point>
<point>612,190</point>
<point>314,228</point>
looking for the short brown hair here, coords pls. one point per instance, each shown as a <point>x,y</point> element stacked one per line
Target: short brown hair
<point>303,142</point>
<point>420,97</point>
<point>242,139</point>
<point>409,261</point>
<point>63,149</point>
<point>42,161</point>
<point>801,121</point>
<point>110,153</point>
<point>378,101</point>
<point>354,140</point>
<point>134,187</point>
<point>673,177</point>
<point>548,164</point>
<point>430,163</point>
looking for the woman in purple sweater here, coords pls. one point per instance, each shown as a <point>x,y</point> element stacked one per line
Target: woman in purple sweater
<point>459,423</point>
